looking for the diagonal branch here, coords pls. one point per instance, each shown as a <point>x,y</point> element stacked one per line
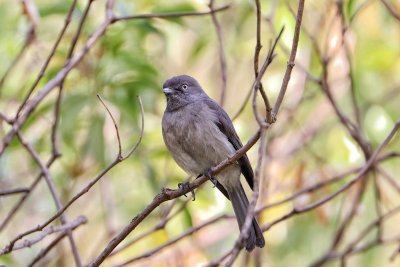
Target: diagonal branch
<point>50,230</point>
<point>54,193</point>
<point>171,15</point>
<point>392,11</point>
<point>61,211</point>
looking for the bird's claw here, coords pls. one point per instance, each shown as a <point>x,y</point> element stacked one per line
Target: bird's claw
<point>185,185</point>
<point>211,177</point>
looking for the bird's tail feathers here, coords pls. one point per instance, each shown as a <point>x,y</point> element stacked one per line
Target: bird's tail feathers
<point>240,205</point>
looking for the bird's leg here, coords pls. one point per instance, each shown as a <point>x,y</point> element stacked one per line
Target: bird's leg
<point>185,185</point>
<point>209,175</point>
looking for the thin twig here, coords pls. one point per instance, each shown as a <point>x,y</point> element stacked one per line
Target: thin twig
<point>49,57</point>
<point>292,59</point>
<point>255,86</point>
<point>57,106</point>
<point>362,172</point>
<point>30,37</point>
<point>82,192</point>
<point>169,194</point>
<point>48,231</point>
<point>115,126</point>
<point>47,249</point>
<point>392,11</point>
<point>344,44</point>
<point>258,88</point>
<point>391,180</point>
<point>251,208</point>
<point>54,193</point>
<point>188,232</point>
<point>364,233</point>
<point>5,118</point>
<point>271,55</point>
<point>8,192</point>
<point>62,74</point>
<point>159,226</point>
<point>21,201</point>
<point>221,52</point>
<point>170,15</point>
<point>307,190</point>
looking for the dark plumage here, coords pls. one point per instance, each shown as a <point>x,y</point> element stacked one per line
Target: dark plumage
<point>199,134</point>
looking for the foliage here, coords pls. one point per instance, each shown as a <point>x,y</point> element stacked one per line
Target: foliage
<point>308,144</point>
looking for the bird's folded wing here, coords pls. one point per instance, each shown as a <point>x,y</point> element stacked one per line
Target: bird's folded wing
<point>225,125</point>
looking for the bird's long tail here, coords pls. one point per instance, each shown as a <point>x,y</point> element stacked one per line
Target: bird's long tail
<point>240,204</point>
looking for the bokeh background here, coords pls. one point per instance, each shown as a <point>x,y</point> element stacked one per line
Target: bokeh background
<point>306,145</point>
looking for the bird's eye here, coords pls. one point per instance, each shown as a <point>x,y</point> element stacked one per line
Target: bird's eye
<point>184,87</point>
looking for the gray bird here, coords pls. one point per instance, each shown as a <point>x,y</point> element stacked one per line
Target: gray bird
<point>199,134</point>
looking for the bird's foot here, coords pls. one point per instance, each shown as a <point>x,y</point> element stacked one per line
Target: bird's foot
<point>185,185</point>
<point>208,174</point>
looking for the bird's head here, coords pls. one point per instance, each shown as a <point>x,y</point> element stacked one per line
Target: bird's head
<point>182,90</point>
<point>181,86</point>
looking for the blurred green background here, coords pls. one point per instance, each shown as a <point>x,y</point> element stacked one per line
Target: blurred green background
<point>307,144</point>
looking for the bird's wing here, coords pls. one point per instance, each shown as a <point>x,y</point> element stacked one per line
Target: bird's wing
<point>225,125</point>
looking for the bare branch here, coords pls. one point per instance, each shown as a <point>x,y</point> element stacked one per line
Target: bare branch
<point>133,149</point>
<point>47,249</point>
<point>48,231</point>
<point>170,15</point>
<point>8,192</point>
<point>257,49</point>
<point>159,226</point>
<point>168,194</point>
<point>222,59</point>
<point>392,11</point>
<point>292,59</point>
<point>78,195</point>
<point>54,193</point>
<point>251,208</point>
<point>172,241</point>
<point>256,84</point>
<point>18,205</point>
<point>115,126</point>
<point>62,74</point>
<point>57,106</point>
<point>49,57</point>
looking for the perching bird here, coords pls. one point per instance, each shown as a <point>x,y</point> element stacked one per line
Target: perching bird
<point>199,134</point>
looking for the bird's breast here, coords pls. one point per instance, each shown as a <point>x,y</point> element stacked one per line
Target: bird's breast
<point>194,139</point>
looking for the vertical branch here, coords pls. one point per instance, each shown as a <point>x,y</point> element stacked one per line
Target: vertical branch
<point>49,57</point>
<point>30,11</point>
<point>222,59</point>
<point>251,208</point>
<point>291,61</point>
<point>347,51</point>
<point>54,193</point>
<point>257,49</point>
<point>257,84</point>
<point>263,127</point>
<point>378,200</point>
<point>57,107</point>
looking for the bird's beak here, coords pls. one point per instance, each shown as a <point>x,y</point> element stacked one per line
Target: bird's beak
<point>168,90</point>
